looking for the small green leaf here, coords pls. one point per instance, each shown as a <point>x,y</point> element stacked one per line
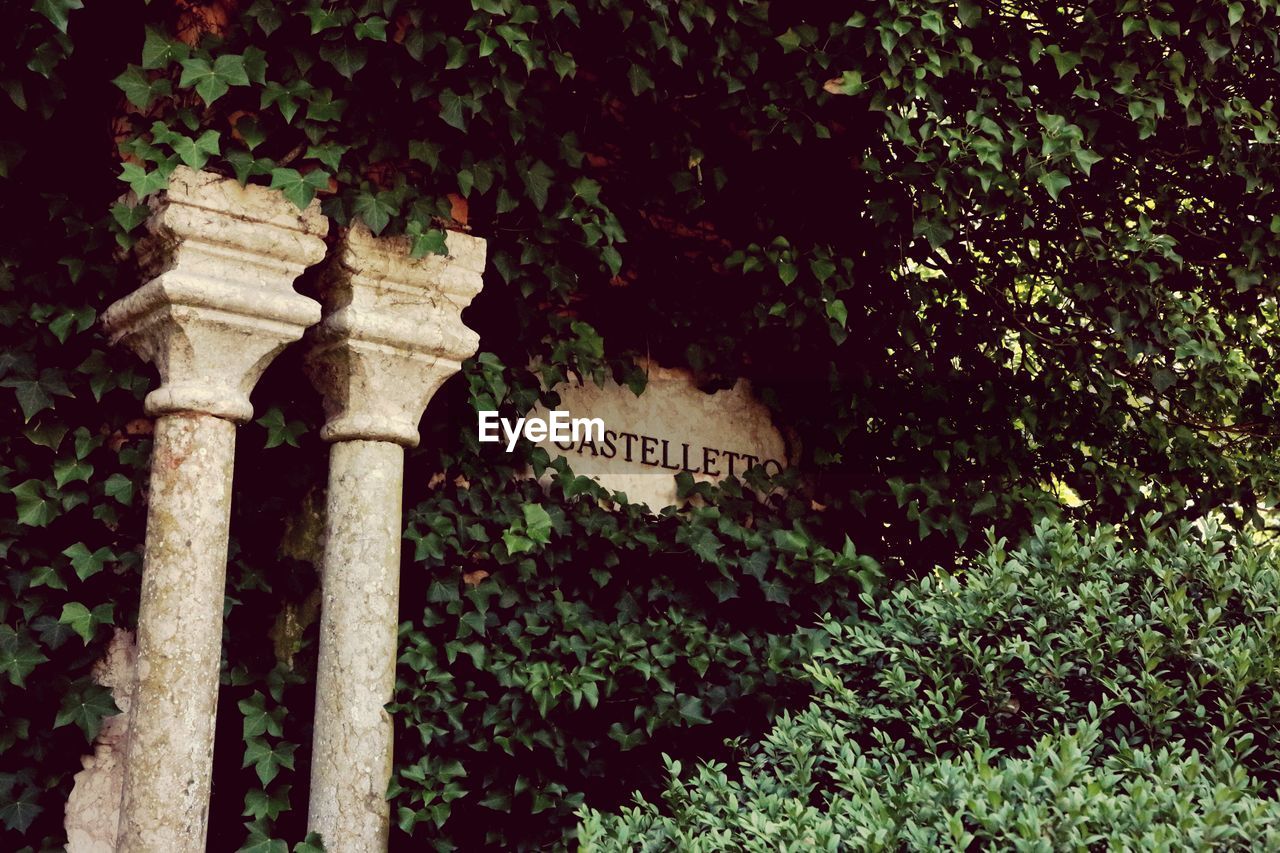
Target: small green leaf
<point>120,487</point>
<point>298,188</point>
<point>18,814</point>
<point>330,154</point>
<point>372,28</point>
<point>537,523</point>
<point>139,88</point>
<point>537,183</point>
<point>937,233</point>
<point>451,110</point>
<point>231,69</point>
<point>196,152</point>
<point>429,242</point>
<point>35,509</point>
<point>376,209</point>
<point>158,50</point>
<point>1086,158</point>
<point>57,11</point>
<point>70,471</point>
<point>87,563</point>
<point>837,311</point>
<point>278,430</point>
<point>19,655</point>
<point>80,619</point>
<point>86,704</point>
<point>1055,182</point>
<point>198,73</point>
<point>345,59</point>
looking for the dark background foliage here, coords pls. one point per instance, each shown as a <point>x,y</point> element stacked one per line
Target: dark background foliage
<point>989,261</point>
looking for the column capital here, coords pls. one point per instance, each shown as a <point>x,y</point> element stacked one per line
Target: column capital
<point>219,304</point>
<point>392,333</point>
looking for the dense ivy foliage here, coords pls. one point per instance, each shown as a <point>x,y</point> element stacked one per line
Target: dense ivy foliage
<point>993,261</point>
<point>1082,692</point>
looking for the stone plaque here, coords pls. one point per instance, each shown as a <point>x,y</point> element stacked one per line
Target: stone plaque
<point>671,427</point>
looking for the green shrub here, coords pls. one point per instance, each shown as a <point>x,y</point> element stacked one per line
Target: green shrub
<point>1082,691</point>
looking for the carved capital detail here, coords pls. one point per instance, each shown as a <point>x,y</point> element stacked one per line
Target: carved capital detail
<point>219,304</point>
<point>392,333</point>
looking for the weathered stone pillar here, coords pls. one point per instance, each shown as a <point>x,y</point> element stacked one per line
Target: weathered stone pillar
<point>218,308</point>
<point>392,334</point>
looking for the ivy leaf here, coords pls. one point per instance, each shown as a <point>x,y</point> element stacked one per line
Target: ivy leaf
<point>703,541</point>
<point>516,543</point>
<point>451,110</point>
<point>142,182</point>
<point>322,107</point>
<point>196,152</point>
<point>425,152</point>
<point>213,81</point>
<point>1163,379</point>
<point>313,843</point>
<point>375,209</point>
<point>52,632</point>
<point>345,59</point>
<point>429,242</point>
<point>278,431</point>
<point>298,188</point>
<point>285,99</point>
<point>1086,158</point>
<point>232,69</point>
<point>120,487</point>
<point>46,576</point>
<point>259,804</point>
<point>259,842</point>
<point>46,435</point>
<point>71,471</point>
<point>19,655</point>
<point>937,233</point>
<point>1055,182</point>
<point>323,19</point>
<point>329,154</point>
<point>254,62</point>
<point>563,63</point>
<point>57,11</point>
<point>139,88</point>
<point>588,190</point>
<point>87,563</point>
<point>158,50</point>
<point>372,28</point>
<point>36,395</point>
<point>267,759</point>
<point>17,814</point>
<point>199,73</point>
<point>86,704</point>
<point>34,508</point>
<point>257,719</point>
<point>84,621</point>
<point>129,216</point>
<point>537,183</point>
<point>537,523</point>
<point>837,311</point>
<point>639,79</point>
<point>970,12</point>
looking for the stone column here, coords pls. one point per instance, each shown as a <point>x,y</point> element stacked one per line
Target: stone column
<point>392,334</point>
<point>218,307</point>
